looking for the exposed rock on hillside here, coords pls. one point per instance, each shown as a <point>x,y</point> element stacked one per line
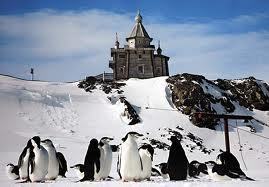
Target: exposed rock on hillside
<point>250,92</point>
<point>90,84</point>
<point>194,93</point>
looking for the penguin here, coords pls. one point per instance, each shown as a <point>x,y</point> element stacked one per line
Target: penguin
<point>146,152</point>
<point>177,163</point>
<point>24,161</point>
<point>163,170</point>
<point>38,161</point>
<point>129,162</point>
<point>98,175</point>
<point>62,164</point>
<point>197,169</point>
<point>91,161</point>
<point>53,169</point>
<point>79,169</point>
<point>218,172</point>
<point>106,159</point>
<point>229,161</point>
<point>155,172</point>
<point>12,171</point>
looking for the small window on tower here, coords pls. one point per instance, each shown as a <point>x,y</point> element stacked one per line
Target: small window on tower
<point>122,56</point>
<point>144,52</point>
<point>141,69</point>
<point>139,56</point>
<point>122,70</point>
<point>158,70</point>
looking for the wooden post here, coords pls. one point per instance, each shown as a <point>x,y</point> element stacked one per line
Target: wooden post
<point>226,131</point>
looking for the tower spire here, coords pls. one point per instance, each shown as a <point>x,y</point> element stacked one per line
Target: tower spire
<point>138,17</point>
<point>159,50</point>
<point>117,43</point>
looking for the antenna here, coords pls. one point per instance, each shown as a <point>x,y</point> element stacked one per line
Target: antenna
<point>32,72</point>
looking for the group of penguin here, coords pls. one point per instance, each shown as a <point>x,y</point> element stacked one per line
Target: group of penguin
<point>40,161</point>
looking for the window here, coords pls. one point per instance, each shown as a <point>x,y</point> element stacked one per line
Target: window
<point>141,69</point>
<point>122,56</point>
<point>144,52</point>
<point>139,56</point>
<point>158,70</point>
<point>122,70</point>
<point>135,52</point>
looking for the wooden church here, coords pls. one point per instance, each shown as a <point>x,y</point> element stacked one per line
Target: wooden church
<point>138,59</point>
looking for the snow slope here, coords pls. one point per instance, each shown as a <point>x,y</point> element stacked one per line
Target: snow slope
<point>70,117</point>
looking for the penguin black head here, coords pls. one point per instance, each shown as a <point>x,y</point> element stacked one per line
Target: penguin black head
<point>105,140</point>
<point>93,143</point>
<point>228,159</point>
<point>195,163</point>
<point>174,139</point>
<point>149,148</point>
<point>133,134</point>
<point>47,142</point>
<point>11,165</point>
<point>35,141</point>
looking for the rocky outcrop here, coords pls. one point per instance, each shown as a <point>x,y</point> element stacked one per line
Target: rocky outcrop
<point>194,93</point>
<point>91,83</point>
<point>250,92</point>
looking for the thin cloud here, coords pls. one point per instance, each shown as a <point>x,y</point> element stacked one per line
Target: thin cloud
<point>68,45</point>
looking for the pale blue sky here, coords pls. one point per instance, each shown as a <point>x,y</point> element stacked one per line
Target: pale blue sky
<point>68,40</point>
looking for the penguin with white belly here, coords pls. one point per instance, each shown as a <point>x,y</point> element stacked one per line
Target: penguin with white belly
<point>146,152</point>
<point>53,168</point>
<point>129,161</point>
<point>106,158</point>
<point>38,161</point>
<point>23,161</point>
<point>12,172</point>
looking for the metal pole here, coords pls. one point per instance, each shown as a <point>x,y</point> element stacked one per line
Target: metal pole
<point>226,131</point>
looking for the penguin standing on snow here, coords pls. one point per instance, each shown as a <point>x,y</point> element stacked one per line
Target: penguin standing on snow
<point>107,157</point>
<point>229,161</point>
<point>62,164</point>
<point>38,161</point>
<point>53,168</point>
<point>24,161</point>
<point>12,172</point>
<point>91,161</point>
<point>146,152</point>
<point>177,163</point>
<point>129,162</point>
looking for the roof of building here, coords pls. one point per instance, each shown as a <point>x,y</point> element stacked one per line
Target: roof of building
<point>139,30</point>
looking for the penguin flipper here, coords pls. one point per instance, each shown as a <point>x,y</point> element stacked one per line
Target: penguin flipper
<point>32,162</point>
<point>119,163</point>
<point>141,164</point>
<point>20,161</point>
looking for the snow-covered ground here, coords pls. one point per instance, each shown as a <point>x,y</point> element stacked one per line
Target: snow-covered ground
<point>70,117</point>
